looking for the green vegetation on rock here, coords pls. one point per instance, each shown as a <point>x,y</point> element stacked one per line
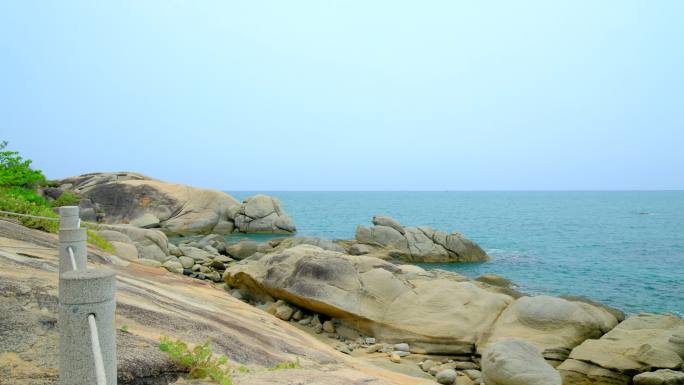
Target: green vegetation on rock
<point>199,361</point>
<point>24,201</point>
<point>18,182</point>
<point>67,198</point>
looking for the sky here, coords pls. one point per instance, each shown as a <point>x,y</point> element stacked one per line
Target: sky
<point>349,95</point>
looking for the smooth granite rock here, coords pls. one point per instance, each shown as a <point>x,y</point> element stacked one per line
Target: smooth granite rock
<point>516,362</point>
<point>374,297</point>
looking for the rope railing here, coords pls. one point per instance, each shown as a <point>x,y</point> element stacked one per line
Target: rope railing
<point>86,310</point>
<point>28,216</point>
<point>72,258</point>
<point>100,375</point>
<point>79,223</point>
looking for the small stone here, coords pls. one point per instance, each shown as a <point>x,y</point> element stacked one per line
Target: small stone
<point>328,327</point>
<point>426,365</point>
<point>186,262</point>
<point>305,321</point>
<point>373,348</point>
<point>316,321</point>
<point>343,349</point>
<point>236,294</point>
<point>473,374</point>
<point>403,347</point>
<point>297,315</point>
<point>446,377</point>
<point>402,353</point>
<point>318,329</point>
<point>215,277</point>
<point>217,265</point>
<point>395,358</point>
<point>173,266</point>
<point>370,340</point>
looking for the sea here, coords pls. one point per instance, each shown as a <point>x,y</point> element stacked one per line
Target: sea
<point>624,249</point>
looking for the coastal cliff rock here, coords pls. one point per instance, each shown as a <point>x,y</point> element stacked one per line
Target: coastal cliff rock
<point>417,244</point>
<point>131,198</point>
<point>433,314</point>
<point>553,325</point>
<point>641,343</point>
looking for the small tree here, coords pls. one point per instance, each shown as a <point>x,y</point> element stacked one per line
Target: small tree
<point>15,171</point>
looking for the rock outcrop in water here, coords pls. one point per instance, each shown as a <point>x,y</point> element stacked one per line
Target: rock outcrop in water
<point>421,244</point>
<point>131,198</point>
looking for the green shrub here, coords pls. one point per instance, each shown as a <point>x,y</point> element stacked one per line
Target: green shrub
<point>24,201</point>
<point>67,198</point>
<point>50,183</point>
<point>95,239</point>
<point>287,365</point>
<point>17,171</point>
<point>199,361</point>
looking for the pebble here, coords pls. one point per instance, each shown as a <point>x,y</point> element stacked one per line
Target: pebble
<point>328,327</point>
<point>427,364</point>
<point>402,347</point>
<point>395,358</point>
<point>374,348</point>
<point>370,340</point>
<point>446,377</point>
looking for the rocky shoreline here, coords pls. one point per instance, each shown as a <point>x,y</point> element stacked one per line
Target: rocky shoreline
<point>371,303</point>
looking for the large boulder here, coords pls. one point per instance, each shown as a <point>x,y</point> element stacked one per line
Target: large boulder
<point>150,243</point>
<point>123,245</point>
<point>639,344</point>
<point>131,198</point>
<point>324,244</point>
<point>431,313</point>
<point>515,362</point>
<point>418,244</point>
<point>263,214</point>
<point>553,325</point>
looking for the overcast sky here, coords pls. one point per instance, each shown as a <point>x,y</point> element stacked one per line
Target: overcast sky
<point>350,95</point>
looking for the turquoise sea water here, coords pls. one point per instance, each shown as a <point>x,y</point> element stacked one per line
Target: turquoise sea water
<point>625,249</point>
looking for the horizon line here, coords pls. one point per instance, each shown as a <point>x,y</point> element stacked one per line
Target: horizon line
<point>578,190</point>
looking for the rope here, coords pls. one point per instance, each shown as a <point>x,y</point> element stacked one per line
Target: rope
<point>27,248</point>
<point>80,222</point>
<point>29,216</point>
<point>97,352</point>
<point>73,259</point>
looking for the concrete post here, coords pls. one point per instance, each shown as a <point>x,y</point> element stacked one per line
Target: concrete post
<point>68,217</point>
<point>70,235</point>
<point>82,293</point>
